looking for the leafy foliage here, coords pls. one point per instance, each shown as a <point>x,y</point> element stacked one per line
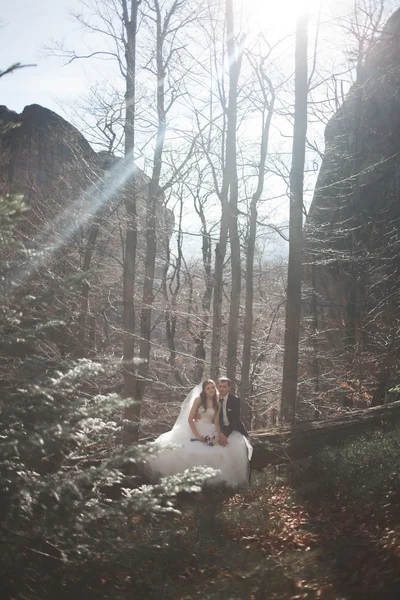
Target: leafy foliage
<point>360,469</point>
<point>65,483</point>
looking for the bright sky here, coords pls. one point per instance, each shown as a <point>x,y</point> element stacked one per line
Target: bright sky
<point>26,26</point>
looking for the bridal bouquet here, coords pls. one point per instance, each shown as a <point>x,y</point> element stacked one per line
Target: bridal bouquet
<point>211,440</point>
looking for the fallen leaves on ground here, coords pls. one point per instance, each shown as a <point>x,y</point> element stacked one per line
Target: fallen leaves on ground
<point>284,530</point>
<point>295,526</point>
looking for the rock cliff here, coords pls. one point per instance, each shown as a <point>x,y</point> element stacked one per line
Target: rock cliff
<point>352,240</point>
<point>68,187</point>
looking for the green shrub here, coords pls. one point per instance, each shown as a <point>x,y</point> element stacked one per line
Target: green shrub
<point>61,506</point>
<point>363,469</point>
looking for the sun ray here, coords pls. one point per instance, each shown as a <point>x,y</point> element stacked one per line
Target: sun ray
<point>76,215</point>
<point>279,16</point>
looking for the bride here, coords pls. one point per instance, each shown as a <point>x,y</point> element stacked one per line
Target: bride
<point>196,432</point>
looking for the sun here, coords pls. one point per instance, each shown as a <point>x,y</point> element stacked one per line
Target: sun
<point>277,15</point>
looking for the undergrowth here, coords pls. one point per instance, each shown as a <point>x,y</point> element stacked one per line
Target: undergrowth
<point>363,470</point>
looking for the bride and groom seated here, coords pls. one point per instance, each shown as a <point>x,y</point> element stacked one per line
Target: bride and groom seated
<point>209,433</point>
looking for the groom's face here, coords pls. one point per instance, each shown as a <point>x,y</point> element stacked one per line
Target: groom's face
<point>223,388</point>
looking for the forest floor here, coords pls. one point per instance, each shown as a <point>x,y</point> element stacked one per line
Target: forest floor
<point>327,527</point>
<point>273,543</point>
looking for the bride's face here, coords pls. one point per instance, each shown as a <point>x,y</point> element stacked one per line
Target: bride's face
<point>210,390</point>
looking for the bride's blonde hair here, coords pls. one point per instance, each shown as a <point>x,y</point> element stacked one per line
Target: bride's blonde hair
<point>203,397</point>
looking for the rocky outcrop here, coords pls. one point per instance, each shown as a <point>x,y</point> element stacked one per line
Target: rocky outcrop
<point>352,240</point>
<point>68,187</point>
<point>46,159</point>
<point>49,162</point>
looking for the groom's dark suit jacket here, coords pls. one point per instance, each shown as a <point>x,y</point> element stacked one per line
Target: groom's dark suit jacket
<point>233,413</point>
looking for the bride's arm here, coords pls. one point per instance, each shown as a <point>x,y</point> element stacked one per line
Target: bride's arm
<point>191,418</point>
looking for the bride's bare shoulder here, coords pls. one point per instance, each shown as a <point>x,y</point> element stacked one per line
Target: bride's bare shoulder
<point>196,404</point>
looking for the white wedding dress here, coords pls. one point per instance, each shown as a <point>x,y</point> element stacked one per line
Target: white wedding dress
<point>232,461</point>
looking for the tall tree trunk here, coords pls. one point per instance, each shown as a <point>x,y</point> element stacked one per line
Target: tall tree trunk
<point>234,305</point>
<point>248,316</point>
<point>205,303</point>
<point>170,313</point>
<point>218,285</point>
<point>129,268</point>
<point>199,334</point>
<point>220,252</point>
<point>229,217</point>
<point>231,165</point>
<point>293,302</point>
<point>151,212</point>
<point>171,292</point>
<point>251,244</point>
<point>84,303</point>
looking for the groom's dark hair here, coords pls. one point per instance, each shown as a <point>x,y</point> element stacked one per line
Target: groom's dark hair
<point>225,380</point>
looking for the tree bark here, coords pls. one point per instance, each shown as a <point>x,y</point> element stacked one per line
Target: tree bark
<point>199,333</point>
<point>171,291</point>
<point>205,304</point>
<point>293,302</point>
<point>229,217</point>
<point>251,244</point>
<point>84,304</point>
<point>220,252</point>
<point>305,439</point>
<point>231,166</point>
<point>129,265</point>
<point>152,202</point>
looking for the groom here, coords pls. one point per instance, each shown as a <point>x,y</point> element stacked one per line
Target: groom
<point>230,411</point>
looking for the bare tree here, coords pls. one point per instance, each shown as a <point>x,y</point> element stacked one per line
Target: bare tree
<point>293,302</point>
<point>171,285</point>
<point>160,27</point>
<point>168,23</point>
<point>129,20</point>
<point>227,193</point>
<point>268,102</point>
<point>197,321</point>
<point>235,55</point>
